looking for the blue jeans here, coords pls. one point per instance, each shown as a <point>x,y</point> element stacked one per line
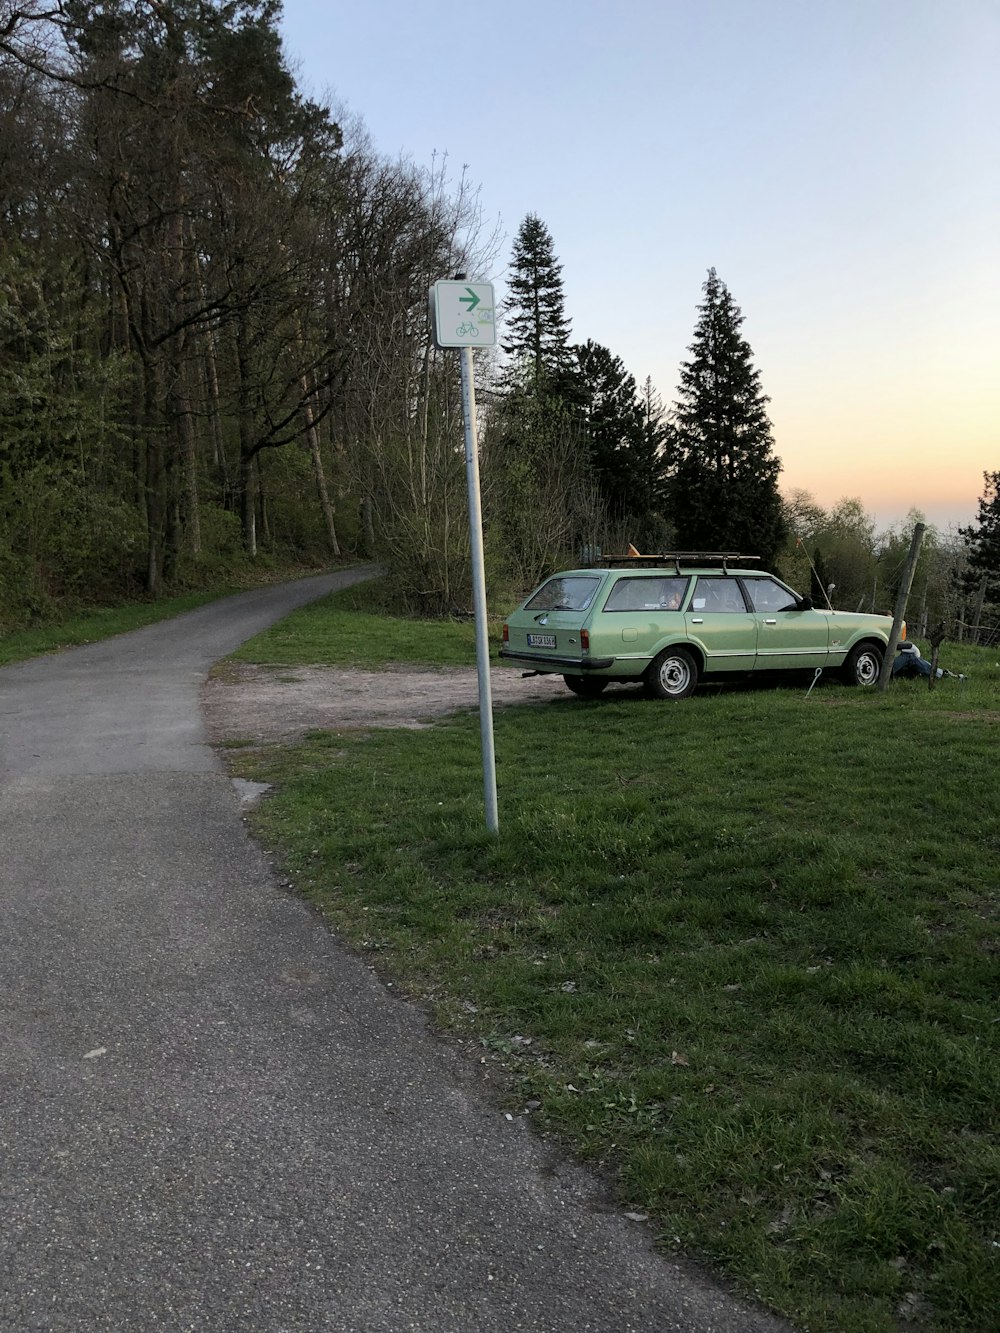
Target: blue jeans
<point>908,665</point>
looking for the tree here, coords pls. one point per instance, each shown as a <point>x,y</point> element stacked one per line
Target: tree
<point>623,434</point>
<point>983,540</point>
<point>934,594</point>
<point>397,398</point>
<point>650,461</point>
<point>541,501</point>
<point>724,492</point>
<point>845,551</point>
<point>537,327</point>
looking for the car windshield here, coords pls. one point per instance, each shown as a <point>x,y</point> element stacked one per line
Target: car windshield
<point>566,593</point>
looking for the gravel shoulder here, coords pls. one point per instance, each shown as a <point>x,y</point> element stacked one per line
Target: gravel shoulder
<point>267,704</point>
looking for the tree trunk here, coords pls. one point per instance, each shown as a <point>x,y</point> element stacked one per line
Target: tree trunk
<point>248,507</point>
<point>367,525</point>
<point>264,525</point>
<point>188,447</point>
<point>326,507</point>
<point>248,504</point>
<point>153,478</point>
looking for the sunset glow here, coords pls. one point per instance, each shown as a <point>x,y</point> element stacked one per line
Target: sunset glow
<point>836,164</point>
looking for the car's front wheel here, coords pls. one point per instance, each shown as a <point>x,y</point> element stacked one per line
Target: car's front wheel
<point>587,687</point>
<point>863,664</point>
<point>671,675</point>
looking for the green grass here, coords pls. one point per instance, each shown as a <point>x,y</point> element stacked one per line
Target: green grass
<point>741,951</point>
<point>340,630</point>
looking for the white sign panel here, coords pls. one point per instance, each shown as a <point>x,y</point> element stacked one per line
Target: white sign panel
<point>464,314</point>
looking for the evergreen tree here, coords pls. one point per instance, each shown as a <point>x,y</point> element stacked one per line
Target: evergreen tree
<point>623,434</point>
<point>535,316</point>
<point>603,394</point>
<point>654,533</point>
<point>983,540</point>
<point>724,490</point>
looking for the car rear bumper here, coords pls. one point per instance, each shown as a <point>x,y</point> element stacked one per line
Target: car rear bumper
<point>546,661</point>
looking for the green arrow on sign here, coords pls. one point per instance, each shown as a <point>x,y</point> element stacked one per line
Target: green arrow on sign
<point>472,299</point>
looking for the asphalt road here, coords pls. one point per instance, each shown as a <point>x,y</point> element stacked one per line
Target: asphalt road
<point>213,1118</point>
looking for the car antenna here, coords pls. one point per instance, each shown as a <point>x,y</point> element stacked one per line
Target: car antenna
<point>819,582</point>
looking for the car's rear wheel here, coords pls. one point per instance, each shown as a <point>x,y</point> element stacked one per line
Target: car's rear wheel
<point>671,675</point>
<point>863,664</point>
<point>587,687</point>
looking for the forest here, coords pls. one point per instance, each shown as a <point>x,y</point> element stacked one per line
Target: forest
<point>216,357</point>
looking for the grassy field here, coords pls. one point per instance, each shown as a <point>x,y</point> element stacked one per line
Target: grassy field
<point>344,629</point>
<point>741,951</point>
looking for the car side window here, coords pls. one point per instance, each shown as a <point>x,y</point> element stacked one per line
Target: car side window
<point>714,595</point>
<point>768,595</point>
<point>663,594</point>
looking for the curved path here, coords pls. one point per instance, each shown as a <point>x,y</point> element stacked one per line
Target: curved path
<point>211,1117</point>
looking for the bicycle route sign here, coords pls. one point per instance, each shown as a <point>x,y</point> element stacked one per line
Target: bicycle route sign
<point>463,314</point>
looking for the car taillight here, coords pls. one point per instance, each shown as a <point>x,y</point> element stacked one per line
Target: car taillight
<point>506,634</point>
<point>585,640</point>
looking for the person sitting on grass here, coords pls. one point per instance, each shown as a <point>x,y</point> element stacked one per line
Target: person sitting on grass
<point>909,663</point>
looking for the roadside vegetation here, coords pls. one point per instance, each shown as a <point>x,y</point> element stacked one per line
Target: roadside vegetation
<point>741,952</point>
<point>97,623</point>
<point>88,624</point>
<point>354,627</point>
<point>226,360</point>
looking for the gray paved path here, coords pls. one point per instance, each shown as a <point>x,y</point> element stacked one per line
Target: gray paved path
<point>211,1117</point>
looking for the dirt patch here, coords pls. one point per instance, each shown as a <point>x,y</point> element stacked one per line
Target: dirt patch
<point>264,704</point>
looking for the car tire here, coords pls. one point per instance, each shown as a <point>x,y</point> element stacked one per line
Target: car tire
<point>673,674</point>
<point>864,662</point>
<point>587,687</point>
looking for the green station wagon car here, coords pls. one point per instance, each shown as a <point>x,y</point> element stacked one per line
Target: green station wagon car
<point>669,621</point>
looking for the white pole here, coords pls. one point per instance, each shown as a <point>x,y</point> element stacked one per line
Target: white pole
<point>479,593</point>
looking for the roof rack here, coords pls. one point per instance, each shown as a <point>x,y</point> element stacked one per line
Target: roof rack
<point>675,558</point>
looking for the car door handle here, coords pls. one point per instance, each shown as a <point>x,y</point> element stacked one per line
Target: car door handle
<point>770,622</point>
<point>697,620</point>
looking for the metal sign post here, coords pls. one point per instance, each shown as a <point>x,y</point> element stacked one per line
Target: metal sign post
<point>463,316</point>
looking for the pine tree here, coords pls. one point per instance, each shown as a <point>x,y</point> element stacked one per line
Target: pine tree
<point>724,491</point>
<point>654,533</point>
<point>983,540</point>
<point>535,315</point>
<point>623,432</point>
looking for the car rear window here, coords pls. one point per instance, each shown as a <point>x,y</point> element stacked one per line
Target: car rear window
<point>570,593</point>
<point>647,594</point>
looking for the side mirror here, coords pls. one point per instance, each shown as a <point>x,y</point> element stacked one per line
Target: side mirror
<point>805,604</point>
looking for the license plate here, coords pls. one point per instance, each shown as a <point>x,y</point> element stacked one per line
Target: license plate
<point>541,640</point>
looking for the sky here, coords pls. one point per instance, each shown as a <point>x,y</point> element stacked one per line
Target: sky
<point>836,161</point>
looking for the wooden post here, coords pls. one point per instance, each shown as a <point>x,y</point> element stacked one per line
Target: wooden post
<point>900,611</point>
<point>936,638</point>
<point>980,599</point>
